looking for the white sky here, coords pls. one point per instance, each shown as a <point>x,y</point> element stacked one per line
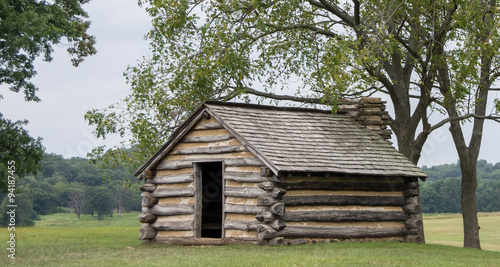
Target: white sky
<point>67,92</point>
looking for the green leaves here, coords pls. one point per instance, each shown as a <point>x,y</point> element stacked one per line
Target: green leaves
<point>29,29</point>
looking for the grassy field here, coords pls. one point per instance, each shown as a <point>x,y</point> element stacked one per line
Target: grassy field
<point>447,229</point>
<point>63,240</point>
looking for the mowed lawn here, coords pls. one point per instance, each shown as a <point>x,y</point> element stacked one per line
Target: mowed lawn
<point>447,229</point>
<point>63,240</point>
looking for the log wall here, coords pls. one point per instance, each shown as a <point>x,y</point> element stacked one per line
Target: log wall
<point>169,192</point>
<point>326,208</point>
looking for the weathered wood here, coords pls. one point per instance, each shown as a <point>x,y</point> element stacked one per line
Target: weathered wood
<point>278,225</point>
<point>147,187</point>
<point>278,209</point>
<point>411,185</point>
<point>413,239</point>
<point>247,209</point>
<point>147,218</point>
<point>266,232</point>
<point>179,225</point>
<point>263,232</point>
<point>206,241</point>
<point>146,175</point>
<point>166,210</point>
<point>413,224</point>
<point>149,201</point>
<point>413,232</point>
<point>410,192</point>
<point>208,126</point>
<point>266,172</point>
<point>344,200</point>
<point>173,179</point>
<point>266,201</point>
<point>344,216</point>
<point>332,185</point>
<point>236,162</point>
<point>207,139</point>
<point>412,208</point>
<point>209,150</point>
<point>174,165</point>
<point>277,241</point>
<point>268,186</point>
<point>247,192</point>
<point>198,199</point>
<point>278,192</point>
<point>248,177</point>
<point>243,225</point>
<point>411,200</point>
<point>299,241</point>
<point>147,232</point>
<point>173,192</point>
<point>265,216</point>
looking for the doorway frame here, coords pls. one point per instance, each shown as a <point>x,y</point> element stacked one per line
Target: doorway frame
<point>198,198</point>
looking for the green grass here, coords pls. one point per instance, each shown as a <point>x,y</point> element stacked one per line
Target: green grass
<point>447,229</point>
<point>63,240</point>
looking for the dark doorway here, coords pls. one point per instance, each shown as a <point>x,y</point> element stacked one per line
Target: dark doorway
<point>211,186</point>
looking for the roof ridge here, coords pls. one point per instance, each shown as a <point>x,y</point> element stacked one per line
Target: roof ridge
<point>269,107</point>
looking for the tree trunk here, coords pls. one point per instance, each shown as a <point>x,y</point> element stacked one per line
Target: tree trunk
<point>468,203</point>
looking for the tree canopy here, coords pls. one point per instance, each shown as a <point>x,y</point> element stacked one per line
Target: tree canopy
<point>30,28</point>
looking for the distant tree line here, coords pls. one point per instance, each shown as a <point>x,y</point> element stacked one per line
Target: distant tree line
<point>441,191</point>
<point>75,185</point>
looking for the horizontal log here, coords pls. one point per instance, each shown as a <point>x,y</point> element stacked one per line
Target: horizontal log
<point>208,126</point>
<point>344,200</point>
<point>210,150</point>
<point>179,225</point>
<point>278,192</point>
<point>247,192</point>
<point>413,239</point>
<point>248,177</point>
<point>412,208</point>
<point>207,139</point>
<point>173,179</point>
<point>167,210</point>
<point>265,232</point>
<point>278,225</point>
<point>174,165</point>
<point>206,241</point>
<point>278,241</point>
<point>411,200</point>
<point>147,218</point>
<point>413,224</point>
<point>266,201</point>
<point>146,174</point>
<point>243,225</point>
<point>247,209</point>
<point>343,216</point>
<point>277,209</point>
<point>268,186</point>
<point>410,192</point>
<point>229,162</point>
<point>147,232</point>
<point>149,201</point>
<point>331,185</point>
<point>147,187</point>
<point>411,185</point>
<point>265,216</point>
<point>174,192</point>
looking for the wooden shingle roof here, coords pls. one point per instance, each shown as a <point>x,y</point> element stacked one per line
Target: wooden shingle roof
<point>307,140</point>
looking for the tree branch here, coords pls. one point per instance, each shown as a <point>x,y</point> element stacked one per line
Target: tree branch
<point>464,117</point>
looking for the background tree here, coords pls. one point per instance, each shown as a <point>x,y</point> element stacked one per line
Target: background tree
<point>17,145</point>
<point>238,49</point>
<point>98,199</point>
<point>77,198</point>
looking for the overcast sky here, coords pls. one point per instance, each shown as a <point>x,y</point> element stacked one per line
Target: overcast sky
<point>67,92</point>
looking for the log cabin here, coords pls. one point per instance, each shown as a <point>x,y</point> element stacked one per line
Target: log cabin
<point>255,174</point>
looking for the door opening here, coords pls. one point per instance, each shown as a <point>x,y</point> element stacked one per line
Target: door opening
<point>212,196</point>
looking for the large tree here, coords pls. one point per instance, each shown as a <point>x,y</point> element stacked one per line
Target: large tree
<point>322,50</point>
<point>30,28</point>
<point>16,146</point>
